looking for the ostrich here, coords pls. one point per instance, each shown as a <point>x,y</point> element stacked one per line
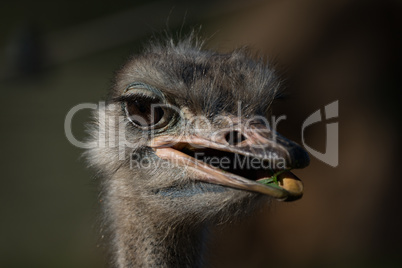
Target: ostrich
<point>166,143</point>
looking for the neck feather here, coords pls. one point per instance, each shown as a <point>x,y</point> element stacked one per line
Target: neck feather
<point>141,237</point>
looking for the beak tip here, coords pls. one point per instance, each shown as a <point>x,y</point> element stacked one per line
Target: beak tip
<point>299,158</point>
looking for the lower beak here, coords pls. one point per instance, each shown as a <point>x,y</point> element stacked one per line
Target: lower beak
<point>181,152</point>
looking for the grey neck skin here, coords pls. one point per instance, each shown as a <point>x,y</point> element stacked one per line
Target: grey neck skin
<point>141,244</point>
<point>144,235</point>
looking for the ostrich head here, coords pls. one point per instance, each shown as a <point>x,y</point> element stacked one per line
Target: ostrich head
<point>186,140</point>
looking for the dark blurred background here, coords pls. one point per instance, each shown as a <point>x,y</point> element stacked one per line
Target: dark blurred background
<point>55,55</point>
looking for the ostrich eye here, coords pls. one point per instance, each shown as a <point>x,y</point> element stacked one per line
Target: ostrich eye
<point>144,112</point>
<point>145,107</point>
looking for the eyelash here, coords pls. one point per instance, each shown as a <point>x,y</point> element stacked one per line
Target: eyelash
<point>134,97</point>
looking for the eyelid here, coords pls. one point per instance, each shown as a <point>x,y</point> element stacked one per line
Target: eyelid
<point>140,91</point>
<point>138,86</point>
<point>135,96</point>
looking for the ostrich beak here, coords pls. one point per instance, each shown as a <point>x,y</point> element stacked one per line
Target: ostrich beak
<point>239,159</point>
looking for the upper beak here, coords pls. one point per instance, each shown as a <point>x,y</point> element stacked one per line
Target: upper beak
<point>256,144</point>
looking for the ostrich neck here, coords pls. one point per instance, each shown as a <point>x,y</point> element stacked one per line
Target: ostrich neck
<point>142,238</point>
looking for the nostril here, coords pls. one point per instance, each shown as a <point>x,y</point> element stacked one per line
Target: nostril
<point>234,137</point>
